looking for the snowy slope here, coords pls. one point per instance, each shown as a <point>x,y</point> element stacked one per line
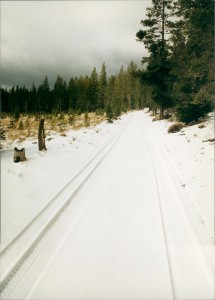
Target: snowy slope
<point>137,222</point>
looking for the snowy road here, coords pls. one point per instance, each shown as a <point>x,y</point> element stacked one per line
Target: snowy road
<point>119,230</point>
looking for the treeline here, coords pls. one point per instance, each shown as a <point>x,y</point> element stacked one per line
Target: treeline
<point>117,94</point>
<point>179,35</point>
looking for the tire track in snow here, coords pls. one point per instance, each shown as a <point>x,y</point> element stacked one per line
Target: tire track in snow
<point>162,219</point>
<point>190,206</point>
<point>9,260</point>
<point>190,275</point>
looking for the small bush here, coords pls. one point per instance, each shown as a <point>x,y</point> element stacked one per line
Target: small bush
<point>109,114</point>
<point>177,126</point>
<point>156,118</point>
<point>86,119</point>
<point>61,116</point>
<point>117,111</point>
<point>2,134</point>
<point>27,123</point>
<point>12,123</point>
<point>20,125</point>
<point>63,134</point>
<point>72,118</point>
<point>16,115</point>
<point>37,117</point>
<point>167,116</point>
<point>172,119</point>
<point>99,112</point>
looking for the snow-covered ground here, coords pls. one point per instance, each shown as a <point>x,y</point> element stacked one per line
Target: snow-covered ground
<point>117,211</point>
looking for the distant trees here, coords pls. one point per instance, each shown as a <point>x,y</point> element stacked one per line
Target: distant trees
<point>83,94</point>
<point>93,92</point>
<point>102,86</point>
<point>180,67</point>
<point>43,96</point>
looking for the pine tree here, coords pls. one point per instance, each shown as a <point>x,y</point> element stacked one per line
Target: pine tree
<point>45,95</point>
<point>156,28</point>
<point>102,85</point>
<point>93,91</point>
<point>130,86</point>
<point>193,65</point>
<point>119,93</point>
<point>33,99</point>
<point>72,94</point>
<point>109,95</point>
<point>58,93</point>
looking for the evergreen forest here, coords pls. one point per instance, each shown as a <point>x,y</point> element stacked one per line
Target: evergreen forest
<point>179,36</point>
<point>95,93</point>
<point>177,75</point>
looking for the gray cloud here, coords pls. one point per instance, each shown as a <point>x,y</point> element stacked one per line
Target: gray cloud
<point>69,38</point>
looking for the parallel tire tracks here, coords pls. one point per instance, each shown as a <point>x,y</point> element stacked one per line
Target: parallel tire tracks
<point>29,243</point>
<point>160,204</point>
<point>186,259</point>
<point>190,207</point>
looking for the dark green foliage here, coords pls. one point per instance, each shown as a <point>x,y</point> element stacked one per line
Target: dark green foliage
<point>102,85</point>
<point>86,119</point>
<point>157,73</point>
<point>193,91</point>
<point>109,114</point>
<point>193,110</point>
<point>179,35</point>
<point>16,115</point>
<point>117,110</point>
<point>72,118</point>
<point>93,94</point>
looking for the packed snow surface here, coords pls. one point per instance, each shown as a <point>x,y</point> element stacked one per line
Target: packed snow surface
<point>116,211</point>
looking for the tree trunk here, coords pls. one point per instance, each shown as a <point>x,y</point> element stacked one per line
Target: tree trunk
<point>163,27</point>
<point>41,136</point>
<point>161,112</point>
<point>19,155</point>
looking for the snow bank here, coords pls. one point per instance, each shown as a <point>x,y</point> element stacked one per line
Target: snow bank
<point>192,155</point>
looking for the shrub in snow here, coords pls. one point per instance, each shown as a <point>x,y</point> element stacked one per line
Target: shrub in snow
<point>86,119</point>
<point>20,125</point>
<point>156,118</point>
<point>2,134</point>
<point>109,114</point>
<point>72,118</point>
<point>177,126</point>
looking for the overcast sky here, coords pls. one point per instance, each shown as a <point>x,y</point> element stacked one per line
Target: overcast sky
<point>68,38</point>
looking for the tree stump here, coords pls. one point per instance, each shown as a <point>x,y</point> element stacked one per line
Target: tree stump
<point>41,136</point>
<point>19,155</point>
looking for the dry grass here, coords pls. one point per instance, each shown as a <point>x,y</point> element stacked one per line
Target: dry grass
<point>156,118</point>
<point>201,126</point>
<point>175,127</point>
<point>27,126</point>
